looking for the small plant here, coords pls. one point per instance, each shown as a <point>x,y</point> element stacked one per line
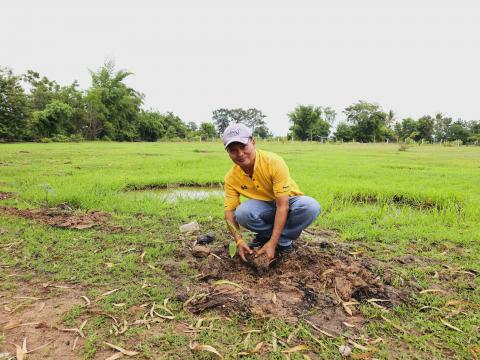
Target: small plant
<point>48,191</point>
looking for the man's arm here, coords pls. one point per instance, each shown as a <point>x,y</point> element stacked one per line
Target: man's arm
<point>234,230</point>
<point>281,215</point>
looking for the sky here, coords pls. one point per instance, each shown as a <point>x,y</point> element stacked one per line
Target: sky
<point>192,57</point>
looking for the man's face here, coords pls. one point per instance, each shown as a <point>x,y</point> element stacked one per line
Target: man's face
<point>242,154</point>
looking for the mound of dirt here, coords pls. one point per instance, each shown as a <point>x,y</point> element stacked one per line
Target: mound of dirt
<point>320,283</point>
<point>259,264</point>
<point>61,216</point>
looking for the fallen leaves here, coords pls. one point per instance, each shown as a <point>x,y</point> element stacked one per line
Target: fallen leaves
<point>194,346</point>
<point>121,351</point>
<point>227,282</point>
<point>394,325</point>
<point>447,324</point>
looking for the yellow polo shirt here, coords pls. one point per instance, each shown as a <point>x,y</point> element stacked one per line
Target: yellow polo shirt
<point>270,179</point>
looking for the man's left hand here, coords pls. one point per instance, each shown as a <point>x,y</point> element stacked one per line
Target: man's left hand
<point>268,249</point>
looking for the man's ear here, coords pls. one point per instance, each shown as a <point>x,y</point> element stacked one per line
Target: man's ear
<point>253,141</point>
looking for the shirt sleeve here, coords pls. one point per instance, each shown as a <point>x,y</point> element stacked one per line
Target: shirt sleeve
<point>280,177</point>
<point>231,197</point>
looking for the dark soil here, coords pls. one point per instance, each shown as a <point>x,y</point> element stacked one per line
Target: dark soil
<point>5,195</point>
<point>61,216</point>
<point>318,281</point>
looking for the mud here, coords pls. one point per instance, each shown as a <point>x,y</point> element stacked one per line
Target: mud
<point>61,216</point>
<point>5,195</point>
<point>259,264</point>
<point>319,282</point>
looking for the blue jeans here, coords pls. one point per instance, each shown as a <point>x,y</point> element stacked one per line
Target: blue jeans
<point>258,216</point>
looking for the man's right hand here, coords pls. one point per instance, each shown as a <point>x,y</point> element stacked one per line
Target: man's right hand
<point>243,249</point>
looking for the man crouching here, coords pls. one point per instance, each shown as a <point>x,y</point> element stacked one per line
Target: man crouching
<point>277,211</point>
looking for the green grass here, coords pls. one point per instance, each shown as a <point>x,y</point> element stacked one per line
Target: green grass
<point>423,201</point>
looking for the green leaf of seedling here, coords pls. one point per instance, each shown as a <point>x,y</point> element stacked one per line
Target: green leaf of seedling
<point>232,249</point>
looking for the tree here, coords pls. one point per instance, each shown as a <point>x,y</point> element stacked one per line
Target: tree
<point>42,90</point>
<point>14,109</point>
<point>440,127</point>
<point>344,132</point>
<point>176,128</point>
<point>252,118</point>
<point>52,120</point>
<point>151,126</point>
<point>367,120</point>
<point>112,103</point>
<point>458,130</point>
<point>425,128</point>
<point>307,123</point>
<point>406,129</point>
<point>207,131</point>
<point>262,132</point>
<point>192,126</point>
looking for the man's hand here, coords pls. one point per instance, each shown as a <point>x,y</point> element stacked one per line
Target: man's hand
<point>243,249</point>
<point>268,249</point>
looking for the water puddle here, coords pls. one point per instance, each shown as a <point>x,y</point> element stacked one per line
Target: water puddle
<point>182,193</point>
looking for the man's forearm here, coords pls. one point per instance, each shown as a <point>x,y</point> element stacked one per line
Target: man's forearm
<point>233,225</point>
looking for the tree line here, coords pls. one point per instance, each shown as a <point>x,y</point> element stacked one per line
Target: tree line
<point>367,122</point>
<point>35,108</point>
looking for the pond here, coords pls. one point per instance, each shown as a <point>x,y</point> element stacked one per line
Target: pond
<point>182,193</point>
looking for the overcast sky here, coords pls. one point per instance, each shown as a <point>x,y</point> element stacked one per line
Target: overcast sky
<point>191,57</point>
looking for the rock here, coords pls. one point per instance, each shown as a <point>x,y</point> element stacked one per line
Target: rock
<point>200,251</point>
<point>345,350</point>
<point>205,239</point>
<point>190,227</point>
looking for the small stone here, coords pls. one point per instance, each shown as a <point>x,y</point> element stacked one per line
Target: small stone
<point>190,227</point>
<point>201,251</point>
<point>345,350</point>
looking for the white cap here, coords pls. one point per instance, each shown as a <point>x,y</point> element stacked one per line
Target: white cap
<point>236,133</point>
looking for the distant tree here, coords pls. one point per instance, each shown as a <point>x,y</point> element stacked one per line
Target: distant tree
<point>207,131</point>
<point>440,127</point>
<point>367,120</point>
<point>390,119</point>
<point>262,132</point>
<point>52,120</point>
<point>112,103</point>
<point>221,119</point>
<point>252,118</point>
<point>344,132</point>
<point>407,128</point>
<point>151,126</point>
<point>458,130</point>
<point>474,127</point>
<point>176,128</point>
<point>42,90</point>
<point>192,126</point>
<point>307,123</point>
<point>14,108</point>
<point>425,128</point>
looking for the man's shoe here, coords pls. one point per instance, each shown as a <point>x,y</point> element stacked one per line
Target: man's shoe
<point>257,242</point>
<point>284,250</point>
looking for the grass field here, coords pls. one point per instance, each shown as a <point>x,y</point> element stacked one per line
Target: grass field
<point>387,204</point>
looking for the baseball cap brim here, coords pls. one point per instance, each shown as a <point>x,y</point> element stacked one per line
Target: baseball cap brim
<point>242,140</point>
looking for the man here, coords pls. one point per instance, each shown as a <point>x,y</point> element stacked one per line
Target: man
<point>277,211</point>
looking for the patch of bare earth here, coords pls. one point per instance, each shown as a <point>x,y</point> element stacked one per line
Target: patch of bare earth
<point>319,281</point>
<point>32,313</point>
<point>61,216</point>
<point>5,195</point>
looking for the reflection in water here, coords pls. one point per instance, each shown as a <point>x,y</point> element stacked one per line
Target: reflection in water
<point>184,193</point>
